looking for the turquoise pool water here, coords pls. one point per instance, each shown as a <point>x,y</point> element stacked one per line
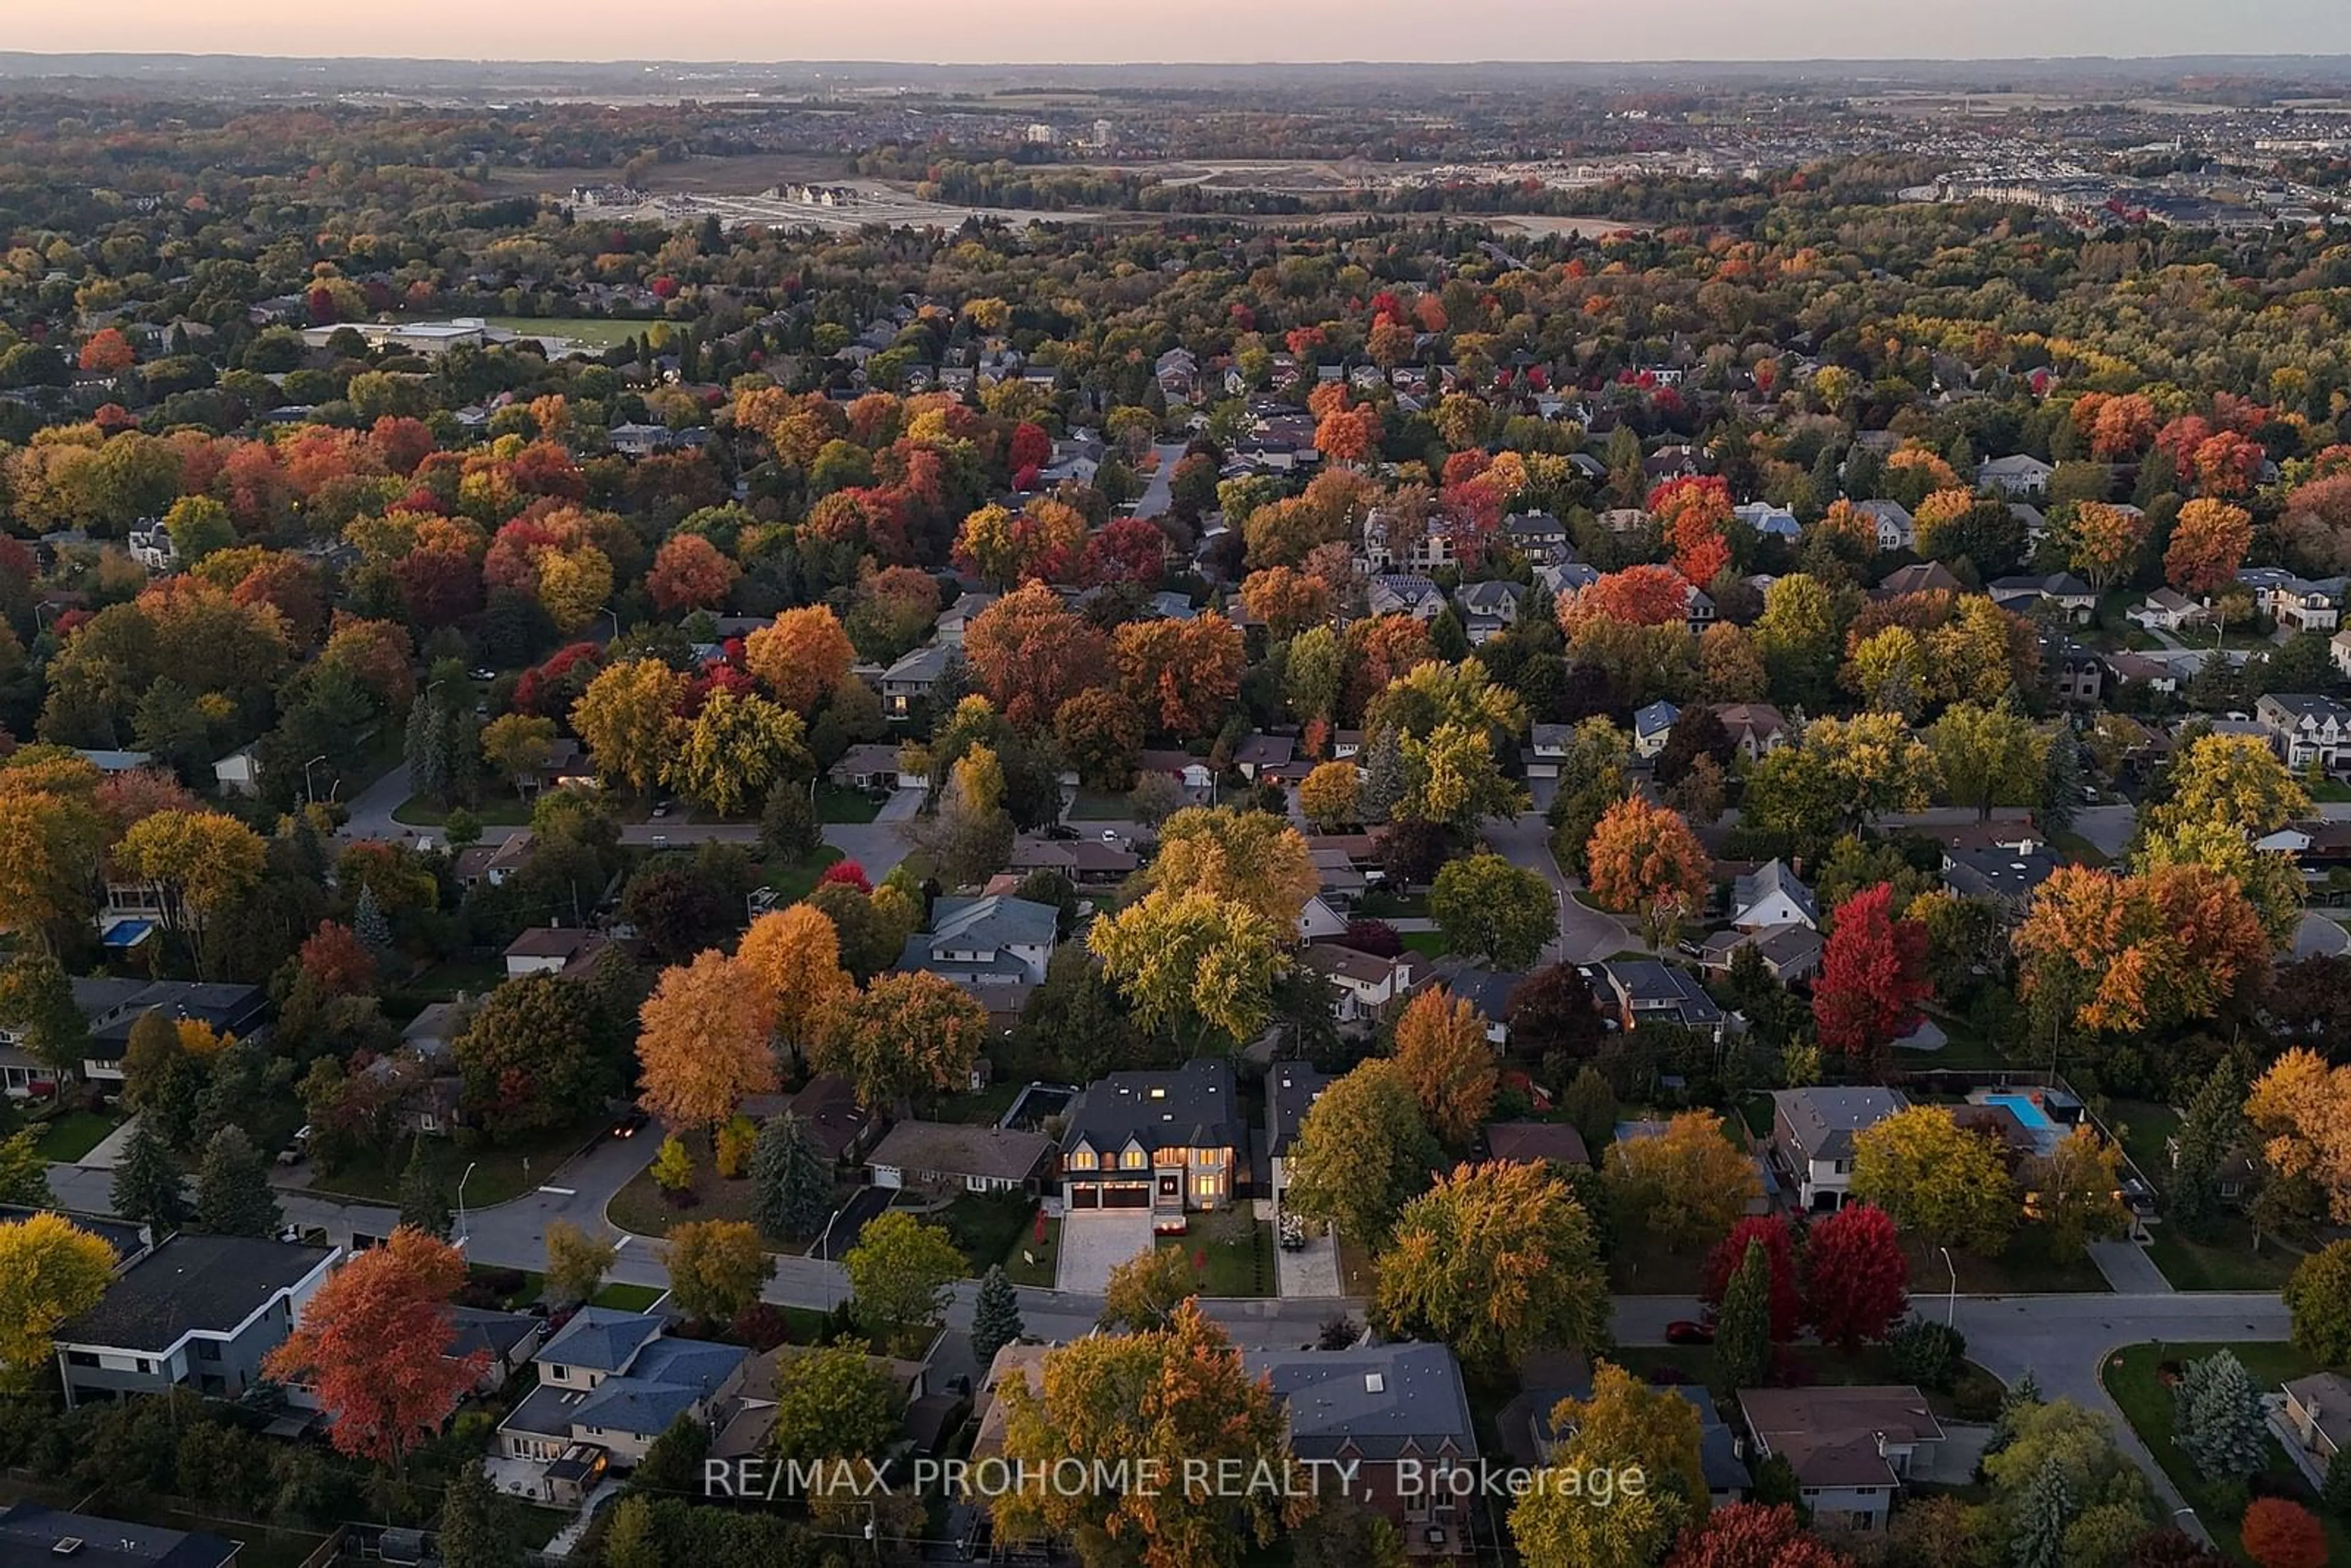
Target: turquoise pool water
<point>2025,1109</point>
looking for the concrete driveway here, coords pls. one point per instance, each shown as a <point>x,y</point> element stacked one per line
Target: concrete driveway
<point>1311,1270</point>
<point>1096,1240</point>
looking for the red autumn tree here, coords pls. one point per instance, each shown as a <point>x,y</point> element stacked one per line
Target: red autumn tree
<point>2227,463</point>
<point>1779,1252</point>
<point>848,874</point>
<point>1379,649</point>
<point>1856,1280</point>
<point>1129,549</point>
<point>108,353</point>
<point>1347,435</point>
<point>688,573</point>
<point>1872,976</point>
<point>1640,595</point>
<point>2281,1534</point>
<point>1031,446</point>
<point>439,586</point>
<point>338,961</point>
<point>1752,1535</point>
<point>375,1343</point>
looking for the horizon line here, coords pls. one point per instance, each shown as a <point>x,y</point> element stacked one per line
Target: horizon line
<point>1418,63</point>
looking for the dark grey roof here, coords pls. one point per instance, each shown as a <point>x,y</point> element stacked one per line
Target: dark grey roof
<point>1378,1400</point>
<point>599,1339</point>
<point>958,1148</point>
<point>1824,1120</point>
<point>31,1536</point>
<point>1994,872</point>
<point>1194,1106</point>
<point>228,1009</point>
<point>487,1328</point>
<point>1290,1090</point>
<point>191,1282</point>
<point>1644,984</point>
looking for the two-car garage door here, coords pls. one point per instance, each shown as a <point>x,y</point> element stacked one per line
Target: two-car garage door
<point>1111,1194</point>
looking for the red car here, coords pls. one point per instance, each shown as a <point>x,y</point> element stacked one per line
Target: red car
<point>1687,1330</point>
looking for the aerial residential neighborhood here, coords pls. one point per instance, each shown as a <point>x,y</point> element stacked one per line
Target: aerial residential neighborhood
<point>1569,815</point>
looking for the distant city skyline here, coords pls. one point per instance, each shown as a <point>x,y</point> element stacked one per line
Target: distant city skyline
<point>1195,31</point>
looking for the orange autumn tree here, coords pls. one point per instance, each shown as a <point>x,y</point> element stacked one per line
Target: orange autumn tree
<point>2126,953</point>
<point>1032,653</point>
<point>1441,1047</point>
<point>375,1344</point>
<point>801,658</point>
<point>1183,675</point>
<point>795,952</point>
<point>2208,542</point>
<point>1284,600</point>
<point>689,573</point>
<point>1644,860</point>
<point>2103,539</point>
<point>704,1042</point>
<point>1639,595</point>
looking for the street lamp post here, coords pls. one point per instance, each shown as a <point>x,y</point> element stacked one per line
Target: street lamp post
<point>461,1200</point>
<point>309,793</point>
<point>1951,1309</point>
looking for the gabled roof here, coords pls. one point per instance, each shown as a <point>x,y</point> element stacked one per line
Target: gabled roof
<point>1377,1401</point>
<point>1822,1122</point>
<point>989,923</point>
<point>1656,718</point>
<point>1772,876</point>
<point>601,1339</point>
<point>1194,1106</point>
<point>1290,1090</point>
<point>1831,1435</point>
<point>958,1148</point>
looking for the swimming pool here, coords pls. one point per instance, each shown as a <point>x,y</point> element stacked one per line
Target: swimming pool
<point>2025,1109</point>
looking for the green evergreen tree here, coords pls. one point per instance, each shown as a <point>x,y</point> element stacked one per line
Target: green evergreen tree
<point>995,1316</point>
<point>2211,1130</point>
<point>423,1198</point>
<point>2334,1497</point>
<point>792,1184</point>
<point>368,923</point>
<point>2042,1514</point>
<point>673,1464</point>
<point>473,1535</point>
<point>1383,780</point>
<point>426,747</point>
<point>2217,1418</point>
<point>233,1193</point>
<point>1743,1333</point>
<point>148,1186</point>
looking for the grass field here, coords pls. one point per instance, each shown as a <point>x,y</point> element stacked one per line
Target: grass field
<point>1431,943</point>
<point>834,804</point>
<point>795,880</point>
<point>500,1174</point>
<point>644,1207</point>
<point>1231,1253</point>
<point>991,1228</point>
<point>66,1137</point>
<point>497,811</point>
<point>587,332</point>
<point>628,1298</point>
<point>2224,1262</point>
<point>2133,1375</point>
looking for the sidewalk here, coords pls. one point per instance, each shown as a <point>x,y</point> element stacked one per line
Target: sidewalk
<point>2128,1270</point>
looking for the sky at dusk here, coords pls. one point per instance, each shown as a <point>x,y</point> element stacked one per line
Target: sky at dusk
<point>960,31</point>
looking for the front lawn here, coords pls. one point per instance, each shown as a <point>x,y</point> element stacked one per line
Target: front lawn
<point>984,1109</point>
<point>644,1207</point>
<point>2329,789</point>
<point>835,804</point>
<point>2224,1260</point>
<point>989,1226</point>
<point>1430,944</point>
<point>794,880</point>
<point>628,1298</point>
<point>2133,1376</point>
<point>501,810</point>
<point>2078,850</point>
<point>1035,1262</point>
<point>1097,806</point>
<point>1646,1265</point>
<point>2024,1268</point>
<point>1231,1251</point>
<point>501,1172</point>
<point>68,1135</point>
